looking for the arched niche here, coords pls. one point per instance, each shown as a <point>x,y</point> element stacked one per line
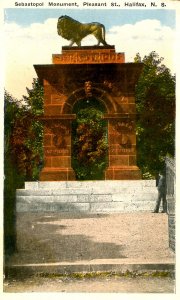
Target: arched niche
<point>80,94</point>
<point>90,145</point>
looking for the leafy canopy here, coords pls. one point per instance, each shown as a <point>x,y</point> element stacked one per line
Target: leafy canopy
<point>155,103</point>
<point>89,153</point>
<point>23,132</point>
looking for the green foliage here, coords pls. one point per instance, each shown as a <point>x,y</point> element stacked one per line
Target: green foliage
<point>22,152</point>
<point>34,100</point>
<point>155,100</point>
<point>12,179</point>
<point>89,144</point>
<point>23,131</point>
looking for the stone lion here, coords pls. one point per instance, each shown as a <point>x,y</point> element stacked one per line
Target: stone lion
<point>75,31</point>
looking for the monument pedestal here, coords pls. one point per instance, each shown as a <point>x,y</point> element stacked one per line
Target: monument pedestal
<point>111,82</point>
<point>57,174</point>
<point>123,173</point>
<point>57,148</point>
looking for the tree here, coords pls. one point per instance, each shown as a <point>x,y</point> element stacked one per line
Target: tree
<point>34,155</point>
<point>155,100</point>
<point>12,178</point>
<point>23,131</point>
<point>22,152</point>
<point>89,144</point>
<point>34,100</point>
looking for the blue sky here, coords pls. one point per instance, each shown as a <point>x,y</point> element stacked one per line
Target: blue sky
<point>25,17</point>
<point>31,37</point>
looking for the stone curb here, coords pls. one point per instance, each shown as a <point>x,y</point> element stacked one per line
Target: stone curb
<point>69,268</point>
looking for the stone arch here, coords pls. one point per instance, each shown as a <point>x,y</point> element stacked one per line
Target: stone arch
<point>97,93</point>
<point>89,73</point>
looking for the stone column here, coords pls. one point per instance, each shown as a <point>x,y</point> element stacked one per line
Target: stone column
<point>57,148</point>
<point>122,147</point>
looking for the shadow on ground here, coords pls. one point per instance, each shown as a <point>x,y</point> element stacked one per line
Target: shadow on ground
<point>41,238</point>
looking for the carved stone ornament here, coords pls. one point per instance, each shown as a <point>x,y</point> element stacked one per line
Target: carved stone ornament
<point>125,126</point>
<point>88,88</point>
<point>125,141</point>
<point>59,141</point>
<point>57,127</point>
<point>59,131</point>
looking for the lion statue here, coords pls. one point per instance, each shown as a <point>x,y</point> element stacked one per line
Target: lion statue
<point>75,31</point>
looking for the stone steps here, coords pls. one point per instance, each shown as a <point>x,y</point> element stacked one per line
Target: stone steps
<point>137,184</point>
<point>90,196</point>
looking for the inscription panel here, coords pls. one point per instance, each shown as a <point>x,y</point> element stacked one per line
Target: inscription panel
<point>81,58</point>
<point>56,127</point>
<point>122,125</point>
<point>57,152</point>
<point>118,149</point>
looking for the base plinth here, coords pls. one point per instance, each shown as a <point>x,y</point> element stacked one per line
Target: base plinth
<point>62,174</point>
<point>124,173</point>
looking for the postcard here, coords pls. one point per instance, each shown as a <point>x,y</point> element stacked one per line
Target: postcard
<point>89,148</point>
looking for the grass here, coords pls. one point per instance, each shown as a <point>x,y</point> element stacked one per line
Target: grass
<point>101,275</point>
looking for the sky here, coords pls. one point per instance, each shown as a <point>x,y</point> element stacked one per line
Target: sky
<point>31,38</point>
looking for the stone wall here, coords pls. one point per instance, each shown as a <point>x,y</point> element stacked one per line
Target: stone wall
<point>170,196</point>
<point>103,196</point>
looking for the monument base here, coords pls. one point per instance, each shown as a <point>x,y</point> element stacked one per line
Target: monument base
<point>123,173</point>
<point>112,173</point>
<point>101,196</point>
<point>57,174</point>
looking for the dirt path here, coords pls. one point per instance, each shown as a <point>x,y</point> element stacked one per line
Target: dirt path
<point>49,238</point>
<point>71,238</point>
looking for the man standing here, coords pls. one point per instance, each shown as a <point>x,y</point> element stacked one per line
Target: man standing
<point>161,194</point>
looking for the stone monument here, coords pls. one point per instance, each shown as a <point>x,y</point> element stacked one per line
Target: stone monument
<point>77,74</point>
<point>87,74</point>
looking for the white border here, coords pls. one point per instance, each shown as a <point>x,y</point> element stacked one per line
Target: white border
<point>169,5</point>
